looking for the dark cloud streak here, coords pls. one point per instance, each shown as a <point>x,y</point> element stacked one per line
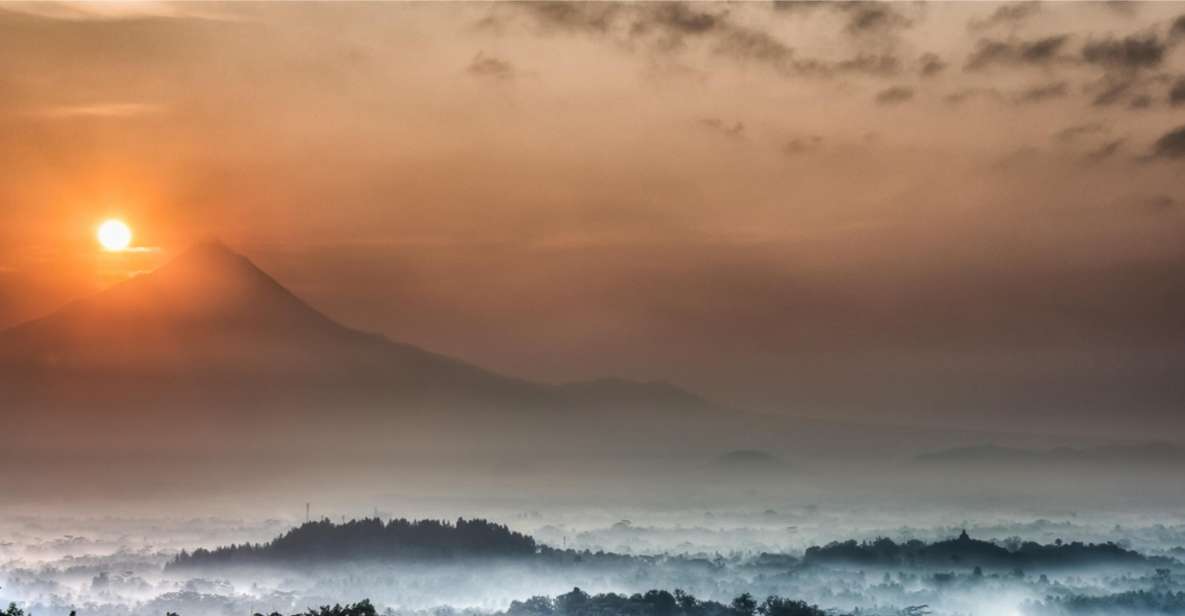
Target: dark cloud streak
<point>1037,94</point>
<point>1006,15</point>
<point>1131,52</point>
<point>491,67</point>
<point>1040,52</point>
<point>895,95</point>
<point>930,65</point>
<point>1170,146</point>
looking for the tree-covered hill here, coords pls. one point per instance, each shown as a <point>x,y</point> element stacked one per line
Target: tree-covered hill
<point>967,552</point>
<point>370,539</point>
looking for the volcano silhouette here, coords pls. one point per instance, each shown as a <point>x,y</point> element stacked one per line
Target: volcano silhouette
<point>213,312</point>
<point>209,337</point>
<point>209,357</point>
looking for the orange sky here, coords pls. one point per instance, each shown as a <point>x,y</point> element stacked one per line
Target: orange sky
<point>764,203</point>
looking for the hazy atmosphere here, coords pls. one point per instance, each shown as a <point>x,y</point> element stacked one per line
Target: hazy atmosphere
<point>864,307</point>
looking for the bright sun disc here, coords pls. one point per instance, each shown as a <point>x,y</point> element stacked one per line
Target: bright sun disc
<point>114,235</point>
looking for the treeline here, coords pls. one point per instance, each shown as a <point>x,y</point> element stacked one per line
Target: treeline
<point>657,603</point>
<point>369,539</point>
<point>362,608</point>
<point>968,552</point>
<point>1150,603</point>
<point>580,603</point>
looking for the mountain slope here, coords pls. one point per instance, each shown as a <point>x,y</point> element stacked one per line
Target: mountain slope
<point>211,344</point>
<point>210,311</point>
<point>210,354</point>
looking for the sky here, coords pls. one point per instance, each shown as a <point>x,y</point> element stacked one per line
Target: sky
<point>964,214</point>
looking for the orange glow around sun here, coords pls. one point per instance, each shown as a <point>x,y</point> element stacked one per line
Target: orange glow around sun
<point>114,235</point>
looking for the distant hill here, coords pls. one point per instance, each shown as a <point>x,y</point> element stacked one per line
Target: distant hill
<point>991,455</point>
<point>965,552</point>
<point>371,539</point>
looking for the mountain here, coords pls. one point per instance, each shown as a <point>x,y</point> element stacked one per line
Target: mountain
<point>210,357</point>
<point>210,343</point>
<point>211,314</point>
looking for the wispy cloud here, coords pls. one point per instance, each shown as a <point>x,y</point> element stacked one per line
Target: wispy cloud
<point>490,67</point>
<point>894,95</point>
<point>118,10</point>
<point>1171,145</point>
<point>1007,15</point>
<point>735,130</point>
<point>98,110</point>
<point>1037,52</point>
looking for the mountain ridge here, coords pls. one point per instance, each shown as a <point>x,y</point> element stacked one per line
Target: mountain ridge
<point>211,351</point>
<point>209,332</point>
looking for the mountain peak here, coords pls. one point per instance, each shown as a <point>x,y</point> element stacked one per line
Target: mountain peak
<point>210,283</point>
<point>214,262</point>
<point>207,295</point>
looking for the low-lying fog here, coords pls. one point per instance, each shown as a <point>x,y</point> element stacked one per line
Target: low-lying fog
<point>705,532</point>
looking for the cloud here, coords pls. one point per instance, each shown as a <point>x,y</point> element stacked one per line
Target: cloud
<point>1008,14</point>
<point>1177,92</point>
<point>667,27</point>
<point>872,17</point>
<point>120,11</point>
<point>746,44</point>
<point>962,96</point>
<point>491,68</point>
<point>675,17</point>
<point>990,52</point>
<point>586,17</point>
<point>735,130</point>
<point>755,45</point>
<point>863,18</point>
<point>1177,30</point>
<point>1104,151</point>
<point>1171,145</point>
<point>1074,133</point>
<point>671,23</point>
<point>1033,94</point>
<point>99,110</point>
<point>1114,90</point>
<point>1037,94</point>
<point>1131,52</point>
<point>930,64</point>
<point>802,145</point>
<point>894,95</point>
<point>883,65</point>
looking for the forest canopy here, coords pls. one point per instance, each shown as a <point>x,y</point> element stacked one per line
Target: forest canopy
<point>370,539</point>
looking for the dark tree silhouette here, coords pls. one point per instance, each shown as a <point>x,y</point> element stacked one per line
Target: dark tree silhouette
<point>368,540</point>
<point>967,552</point>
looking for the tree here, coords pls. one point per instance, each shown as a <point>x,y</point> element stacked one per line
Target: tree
<point>744,605</point>
<point>778,606</point>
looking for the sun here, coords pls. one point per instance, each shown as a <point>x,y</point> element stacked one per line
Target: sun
<point>114,235</point>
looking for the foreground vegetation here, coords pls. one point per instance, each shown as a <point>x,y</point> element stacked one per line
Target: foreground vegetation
<point>1145,603</point>
<point>580,603</point>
